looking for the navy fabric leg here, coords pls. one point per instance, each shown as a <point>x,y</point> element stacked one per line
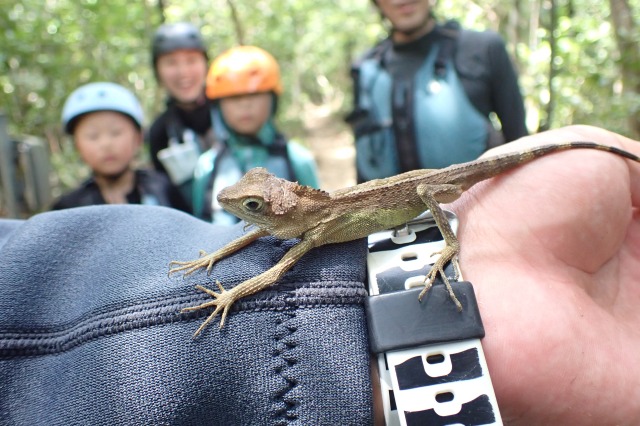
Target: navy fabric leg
<point>91,330</point>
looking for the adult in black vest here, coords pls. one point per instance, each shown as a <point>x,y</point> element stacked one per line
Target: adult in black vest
<point>423,97</point>
<point>183,130</point>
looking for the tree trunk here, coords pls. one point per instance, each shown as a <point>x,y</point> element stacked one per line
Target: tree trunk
<point>162,9</point>
<point>625,33</point>
<point>237,23</point>
<point>553,69</point>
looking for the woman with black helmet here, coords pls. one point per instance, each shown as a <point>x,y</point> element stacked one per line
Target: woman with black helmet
<point>183,130</point>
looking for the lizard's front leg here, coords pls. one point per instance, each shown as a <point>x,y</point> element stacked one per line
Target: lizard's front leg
<point>225,298</point>
<point>207,260</point>
<point>428,194</point>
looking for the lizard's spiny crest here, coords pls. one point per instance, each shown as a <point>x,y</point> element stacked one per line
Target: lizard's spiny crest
<point>283,195</point>
<point>280,195</point>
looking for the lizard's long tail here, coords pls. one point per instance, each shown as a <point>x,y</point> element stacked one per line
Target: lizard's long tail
<point>468,174</point>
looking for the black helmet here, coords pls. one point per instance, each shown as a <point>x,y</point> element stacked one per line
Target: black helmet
<point>171,37</point>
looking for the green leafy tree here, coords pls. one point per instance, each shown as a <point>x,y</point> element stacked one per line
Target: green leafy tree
<point>578,60</point>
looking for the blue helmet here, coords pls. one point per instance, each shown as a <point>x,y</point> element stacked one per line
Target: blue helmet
<point>102,96</point>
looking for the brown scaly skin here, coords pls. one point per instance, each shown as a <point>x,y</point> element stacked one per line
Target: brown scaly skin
<point>287,210</point>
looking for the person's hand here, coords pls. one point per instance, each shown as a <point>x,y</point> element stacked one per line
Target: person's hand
<point>553,251</point>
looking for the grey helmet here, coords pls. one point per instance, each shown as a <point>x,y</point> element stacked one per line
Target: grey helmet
<point>171,37</point>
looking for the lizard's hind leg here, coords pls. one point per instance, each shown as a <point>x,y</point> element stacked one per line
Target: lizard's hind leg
<point>429,195</point>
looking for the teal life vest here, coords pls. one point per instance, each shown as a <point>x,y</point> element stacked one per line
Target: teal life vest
<point>231,157</point>
<point>424,122</point>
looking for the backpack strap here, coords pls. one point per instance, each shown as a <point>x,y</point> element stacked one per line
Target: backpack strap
<point>450,32</point>
<point>404,129</point>
<point>204,177</point>
<point>358,117</point>
<point>279,149</point>
<point>377,53</point>
<point>175,127</point>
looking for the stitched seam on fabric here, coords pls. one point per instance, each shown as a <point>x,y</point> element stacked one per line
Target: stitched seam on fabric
<point>102,323</point>
<point>36,343</point>
<point>285,344</point>
<point>109,311</point>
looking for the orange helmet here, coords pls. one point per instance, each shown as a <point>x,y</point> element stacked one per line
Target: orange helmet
<point>243,70</point>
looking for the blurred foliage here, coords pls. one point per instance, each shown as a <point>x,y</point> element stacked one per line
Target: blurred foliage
<point>587,85</point>
<point>50,47</point>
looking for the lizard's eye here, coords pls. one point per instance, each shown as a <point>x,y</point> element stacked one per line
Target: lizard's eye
<point>253,205</point>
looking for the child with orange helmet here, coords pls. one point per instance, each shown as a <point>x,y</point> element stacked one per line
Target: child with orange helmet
<point>244,85</point>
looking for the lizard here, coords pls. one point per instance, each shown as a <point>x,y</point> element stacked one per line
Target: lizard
<point>286,210</point>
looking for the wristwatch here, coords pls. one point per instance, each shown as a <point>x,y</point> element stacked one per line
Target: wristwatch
<point>430,361</point>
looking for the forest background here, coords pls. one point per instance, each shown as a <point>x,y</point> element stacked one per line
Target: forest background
<point>578,61</point>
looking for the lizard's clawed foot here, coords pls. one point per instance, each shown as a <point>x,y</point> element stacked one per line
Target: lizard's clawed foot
<point>438,268</point>
<point>222,301</point>
<point>205,260</point>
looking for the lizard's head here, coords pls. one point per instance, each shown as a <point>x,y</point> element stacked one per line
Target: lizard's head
<point>267,201</point>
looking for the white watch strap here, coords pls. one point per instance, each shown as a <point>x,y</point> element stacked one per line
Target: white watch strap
<point>430,360</point>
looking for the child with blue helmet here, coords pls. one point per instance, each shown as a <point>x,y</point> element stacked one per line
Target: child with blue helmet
<point>105,120</point>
